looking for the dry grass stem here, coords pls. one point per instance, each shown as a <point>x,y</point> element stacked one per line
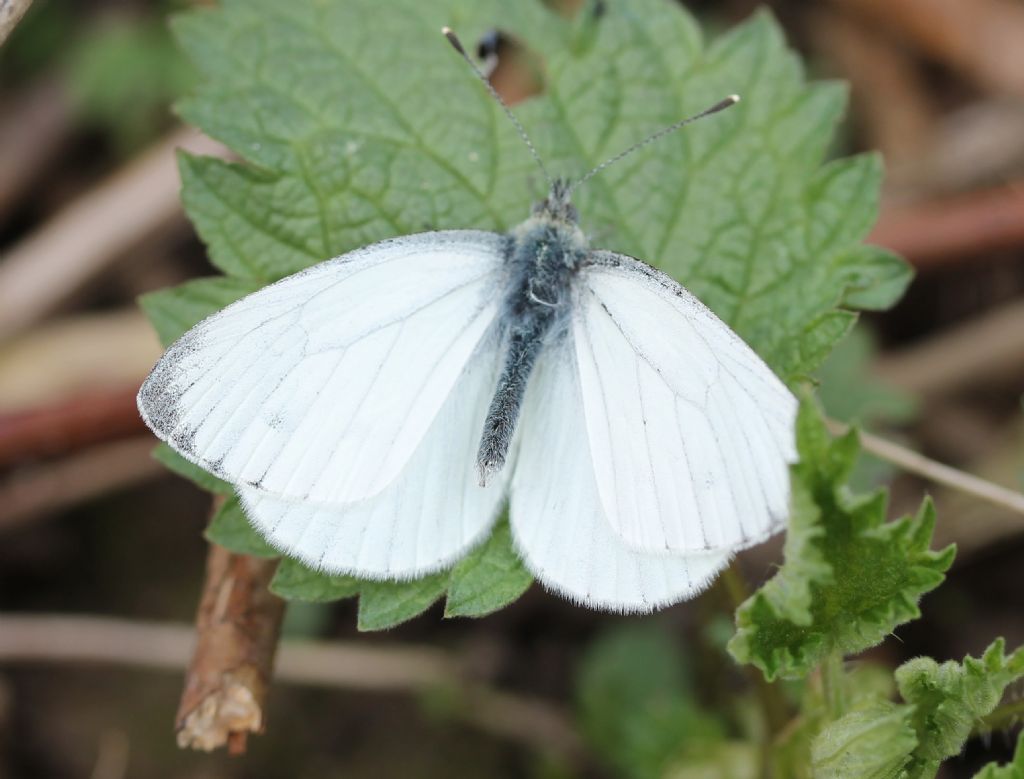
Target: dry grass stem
<point>363,666</point>
<point>911,461</point>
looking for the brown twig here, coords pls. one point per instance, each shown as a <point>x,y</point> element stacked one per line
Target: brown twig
<point>11,12</point>
<point>980,38</point>
<point>930,234</point>
<point>237,628</point>
<point>63,428</point>
<point>986,348</point>
<point>362,666</point>
<point>87,236</point>
<point>31,492</point>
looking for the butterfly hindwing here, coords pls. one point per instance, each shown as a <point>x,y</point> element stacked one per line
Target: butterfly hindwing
<point>428,517</point>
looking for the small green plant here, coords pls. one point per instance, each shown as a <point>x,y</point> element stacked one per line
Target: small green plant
<point>343,143</point>
<point>849,580</point>
<point>849,577</point>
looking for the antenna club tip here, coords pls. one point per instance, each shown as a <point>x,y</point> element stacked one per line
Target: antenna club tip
<point>731,98</point>
<point>453,39</point>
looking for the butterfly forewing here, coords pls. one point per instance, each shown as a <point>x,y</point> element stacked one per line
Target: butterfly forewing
<point>320,387</point>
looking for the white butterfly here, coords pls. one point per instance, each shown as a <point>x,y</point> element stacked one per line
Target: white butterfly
<point>376,412</point>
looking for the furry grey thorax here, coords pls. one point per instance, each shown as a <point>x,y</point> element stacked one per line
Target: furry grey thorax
<point>543,254</point>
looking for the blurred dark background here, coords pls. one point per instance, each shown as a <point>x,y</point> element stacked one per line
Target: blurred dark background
<point>91,526</point>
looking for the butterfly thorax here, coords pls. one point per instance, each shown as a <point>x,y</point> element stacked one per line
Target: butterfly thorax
<point>542,256</point>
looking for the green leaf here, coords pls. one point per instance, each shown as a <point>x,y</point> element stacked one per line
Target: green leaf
<point>635,707</point>
<point>944,704</point>
<point>383,605</point>
<point>342,143</point>
<point>175,462</point>
<point>230,528</point>
<point>295,581</point>
<point>950,698</point>
<point>876,278</point>
<point>849,577</point>
<point>1012,770</point>
<point>238,212</point>
<point>174,310</point>
<point>858,687</point>
<point>873,742</point>
<point>489,578</point>
<point>350,146</point>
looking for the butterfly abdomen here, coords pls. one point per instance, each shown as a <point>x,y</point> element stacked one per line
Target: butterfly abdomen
<point>543,255</point>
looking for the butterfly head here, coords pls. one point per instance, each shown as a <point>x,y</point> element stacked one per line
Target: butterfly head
<point>553,222</point>
<point>557,206</point>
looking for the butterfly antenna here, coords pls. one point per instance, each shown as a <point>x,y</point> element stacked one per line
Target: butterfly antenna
<point>453,39</point>
<point>721,105</point>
